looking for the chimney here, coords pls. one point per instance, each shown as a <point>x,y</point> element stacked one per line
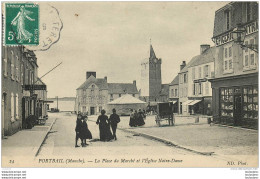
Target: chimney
<point>183,65</point>
<point>105,78</point>
<point>89,73</point>
<point>134,82</point>
<point>203,48</point>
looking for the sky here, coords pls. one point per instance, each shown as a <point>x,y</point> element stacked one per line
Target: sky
<point>112,38</point>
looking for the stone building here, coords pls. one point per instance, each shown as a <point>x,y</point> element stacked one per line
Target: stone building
<point>12,64</point>
<point>94,94</point>
<point>174,93</point>
<point>151,80</point>
<point>199,88</point>
<point>19,100</point>
<point>235,86</point>
<point>183,88</point>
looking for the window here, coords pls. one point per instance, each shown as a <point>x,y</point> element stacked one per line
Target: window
<point>249,61</point>
<point>100,108</point>
<point>17,106</point>
<point>176,92</point>
<point>22,71</point>
<point>5,67</point>
<point>199,72</point>
<point>12,65</point>
<point>206,87</point>
<point>17,76</point>
<point>206,71</point>
<point>200,88</point>
<point>193,73</point>
<point>119,95</point>
<point>227,18</point>
<point>84,92</point>
<point>228,60</point>
<point>111,95</point>
<point>12,108</point>
<point>194,88</point>
<point>172,92</point>
<point>226,102</point>
<point>185,78</point>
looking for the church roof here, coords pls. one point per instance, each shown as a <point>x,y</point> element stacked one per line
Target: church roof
<point>152,53</point>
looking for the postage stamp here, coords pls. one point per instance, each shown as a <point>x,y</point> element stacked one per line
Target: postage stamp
<point>21,24</point>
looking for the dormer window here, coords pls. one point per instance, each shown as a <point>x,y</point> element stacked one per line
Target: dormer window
<point>227,19</point>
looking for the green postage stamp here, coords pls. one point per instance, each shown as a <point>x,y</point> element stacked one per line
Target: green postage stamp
<point>21,24</point>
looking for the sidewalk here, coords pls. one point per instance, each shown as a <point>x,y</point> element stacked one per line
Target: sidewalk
<point>221,141</point>
<point>26,142</point>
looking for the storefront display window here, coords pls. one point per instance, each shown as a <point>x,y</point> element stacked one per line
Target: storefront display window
<point>226,102</point>
<point>250,102</point>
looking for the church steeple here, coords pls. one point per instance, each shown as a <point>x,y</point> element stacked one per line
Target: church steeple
<point>152,54</point>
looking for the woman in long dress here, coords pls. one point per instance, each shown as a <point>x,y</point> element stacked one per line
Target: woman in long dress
<point>84,132</point>
<point>132,122</point>
<point>104,127</point>
<point>140,118</point>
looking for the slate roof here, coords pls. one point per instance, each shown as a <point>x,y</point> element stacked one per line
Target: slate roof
<point>121,88</point>
<point>205,57</point>
<point>113,88</point>
<point>127,99</point>
<point>100,82</point>
<point>165,89</point>
<point>175,81</point>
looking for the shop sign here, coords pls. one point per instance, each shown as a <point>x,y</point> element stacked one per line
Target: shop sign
<point>228,37</point>
<point>34,87</point>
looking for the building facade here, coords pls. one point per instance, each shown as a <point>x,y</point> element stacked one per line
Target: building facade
<point>151,80</point>
<point>174,93</point>
<point>235,87</point>
<point>12,63</point>
<point>200,71</point>
<point>183,89</point>
<point>94,94</point>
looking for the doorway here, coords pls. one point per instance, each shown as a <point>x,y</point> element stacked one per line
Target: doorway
<point>92,110</point>
<point>3,112</point>
<point>237,109</point>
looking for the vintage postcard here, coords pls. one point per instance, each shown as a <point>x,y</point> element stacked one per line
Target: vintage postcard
<point>129,84</point>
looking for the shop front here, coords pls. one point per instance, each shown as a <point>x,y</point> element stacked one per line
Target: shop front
<point>236,100</point>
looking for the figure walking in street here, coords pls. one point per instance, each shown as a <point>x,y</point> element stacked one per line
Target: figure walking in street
<point>104,127</point>
<point>84,132</point>
<point>114,119</point>
<point>140,118</point>
<point>77,129</point>
<point>132,122</point>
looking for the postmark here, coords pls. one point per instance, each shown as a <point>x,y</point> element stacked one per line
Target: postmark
<point>50,27</point>
<point>21,24</point>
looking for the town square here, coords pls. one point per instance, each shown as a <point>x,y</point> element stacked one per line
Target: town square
<point>130,84</point>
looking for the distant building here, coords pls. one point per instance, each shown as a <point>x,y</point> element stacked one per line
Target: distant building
<point>183,89</point>
<point>200,71</point>
<point>235,86</point>
<point>151,80</point>
<point>174,93</point>
<point>94,94</point>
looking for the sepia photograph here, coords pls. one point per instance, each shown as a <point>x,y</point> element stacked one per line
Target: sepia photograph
<point>129,84</point>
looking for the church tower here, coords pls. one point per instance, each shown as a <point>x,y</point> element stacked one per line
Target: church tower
<point>151,80</point>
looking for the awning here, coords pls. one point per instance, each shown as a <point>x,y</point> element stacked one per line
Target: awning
<point>194,102</point>
<point>187,102</point>
<point>173,102</point>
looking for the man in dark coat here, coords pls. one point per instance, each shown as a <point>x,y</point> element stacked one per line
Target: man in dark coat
<point>113,120</point>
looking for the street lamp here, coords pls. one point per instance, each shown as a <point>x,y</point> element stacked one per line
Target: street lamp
<point>239,34</point>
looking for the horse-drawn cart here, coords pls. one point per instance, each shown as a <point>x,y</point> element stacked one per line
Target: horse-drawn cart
<point>164,113</point>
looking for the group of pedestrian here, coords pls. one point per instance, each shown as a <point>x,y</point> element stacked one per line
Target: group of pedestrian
<point>82,131</point>
<point>137,118</point>
<point>105,123</point>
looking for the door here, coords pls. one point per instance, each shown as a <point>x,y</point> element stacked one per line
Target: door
<point>3,112</point>
<point>92,110</point>
<point>23,113</point>
<point>180,107</point>
<point>237,109</point>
